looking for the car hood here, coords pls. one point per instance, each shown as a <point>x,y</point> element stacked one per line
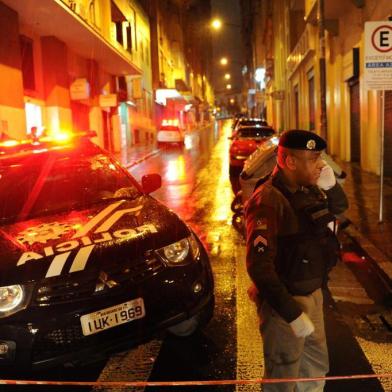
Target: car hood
<point>61,244</point>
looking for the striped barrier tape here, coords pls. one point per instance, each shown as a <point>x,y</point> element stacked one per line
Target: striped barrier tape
<point>191,383</point>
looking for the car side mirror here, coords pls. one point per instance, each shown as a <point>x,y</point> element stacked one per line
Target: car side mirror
<point>151,182</point>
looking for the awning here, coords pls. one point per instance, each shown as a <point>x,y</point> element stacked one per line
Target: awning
<point>164,94</point>
<point>54,18</point>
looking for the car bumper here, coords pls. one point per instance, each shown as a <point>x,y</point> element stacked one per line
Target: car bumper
<point>124,341</point>
<point>169,139</point>
<point>53,337</point>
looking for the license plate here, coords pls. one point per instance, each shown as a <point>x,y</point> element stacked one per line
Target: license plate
<point>113,316</point>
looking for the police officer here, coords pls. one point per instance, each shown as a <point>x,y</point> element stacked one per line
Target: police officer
<point>291,246</point>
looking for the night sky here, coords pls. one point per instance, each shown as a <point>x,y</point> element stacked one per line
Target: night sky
<point>227,42</point>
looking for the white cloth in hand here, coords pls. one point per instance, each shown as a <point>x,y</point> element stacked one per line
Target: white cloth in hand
<point>302,326</point>
<point>327,178</point>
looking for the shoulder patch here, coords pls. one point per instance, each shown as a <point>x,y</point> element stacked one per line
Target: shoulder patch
<point>261,224</point>
<point>260,244</point>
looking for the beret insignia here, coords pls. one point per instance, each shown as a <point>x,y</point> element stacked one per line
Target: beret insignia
<point>311,144</point>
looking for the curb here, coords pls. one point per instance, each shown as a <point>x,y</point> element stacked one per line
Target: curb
<point>143,158</point>
<point>379,258</point>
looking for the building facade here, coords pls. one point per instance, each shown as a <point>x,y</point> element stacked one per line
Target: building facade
<point>317,55</point>
<point>181,81</point>
<point>75,65</point>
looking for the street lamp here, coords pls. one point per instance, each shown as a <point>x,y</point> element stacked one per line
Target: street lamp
<point>223,61</point>
<point>227,76</point>
<point>216,24</point>
<point>228,86</point>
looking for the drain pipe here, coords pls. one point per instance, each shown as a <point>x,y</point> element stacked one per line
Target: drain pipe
<point>323,91</point>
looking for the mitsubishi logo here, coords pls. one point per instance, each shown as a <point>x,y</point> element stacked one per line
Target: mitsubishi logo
<point>104,282</point>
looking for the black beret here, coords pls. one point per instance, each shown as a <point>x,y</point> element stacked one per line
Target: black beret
<point>298,139</point>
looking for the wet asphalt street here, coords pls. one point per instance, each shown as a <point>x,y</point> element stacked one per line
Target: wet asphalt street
<point>195,184</point>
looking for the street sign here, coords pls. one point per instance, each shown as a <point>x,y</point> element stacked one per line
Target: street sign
<point>378,76</point>
<point>378,56</point>
<point>108,100</point>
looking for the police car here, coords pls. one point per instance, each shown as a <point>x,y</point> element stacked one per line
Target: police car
<point>89,261</point>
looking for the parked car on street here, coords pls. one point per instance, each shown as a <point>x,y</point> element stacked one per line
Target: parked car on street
<point>244,141</point>
<point>170,132</point>
<point>248,122</point>
<point>90,262</point>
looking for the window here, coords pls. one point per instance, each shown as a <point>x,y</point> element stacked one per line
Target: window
<point>311,100</point>
<point>92,13</point>
<point>129,37</point>
<point>119,33</point>
<point>118,18</point>
<point>26,47</point>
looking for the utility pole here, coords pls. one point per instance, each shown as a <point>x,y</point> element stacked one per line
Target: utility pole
<point>323,90</point>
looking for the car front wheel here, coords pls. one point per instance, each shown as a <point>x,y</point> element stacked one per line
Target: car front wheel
<point>186,328</point>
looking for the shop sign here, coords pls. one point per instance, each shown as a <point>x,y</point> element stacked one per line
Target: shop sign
<point>108,100</point>
<point>80,89</point>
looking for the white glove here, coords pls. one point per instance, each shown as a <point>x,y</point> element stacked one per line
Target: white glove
<point>302,326</point>
<point>327,178</point>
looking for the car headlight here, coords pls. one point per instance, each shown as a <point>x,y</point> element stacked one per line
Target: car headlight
<point>177,253</point>
<point>12,299</point>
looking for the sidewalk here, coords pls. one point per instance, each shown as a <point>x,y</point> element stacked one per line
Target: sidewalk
<point>362,190</point>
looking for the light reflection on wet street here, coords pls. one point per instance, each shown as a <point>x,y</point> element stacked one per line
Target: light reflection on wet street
<point>196,186</point>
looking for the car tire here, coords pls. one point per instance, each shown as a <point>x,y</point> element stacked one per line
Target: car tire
<point>194,324</point>
<point>238,223</point>
<point>186,328</point>
<point>236,204</point>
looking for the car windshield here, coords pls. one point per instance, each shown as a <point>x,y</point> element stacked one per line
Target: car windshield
<point>245,123</point>
<point>54,182</point>
<point>255,133</point>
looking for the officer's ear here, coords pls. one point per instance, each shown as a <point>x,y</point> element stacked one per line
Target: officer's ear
<point>291,162</point>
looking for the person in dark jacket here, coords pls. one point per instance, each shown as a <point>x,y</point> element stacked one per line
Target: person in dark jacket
<point>291,247</point>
